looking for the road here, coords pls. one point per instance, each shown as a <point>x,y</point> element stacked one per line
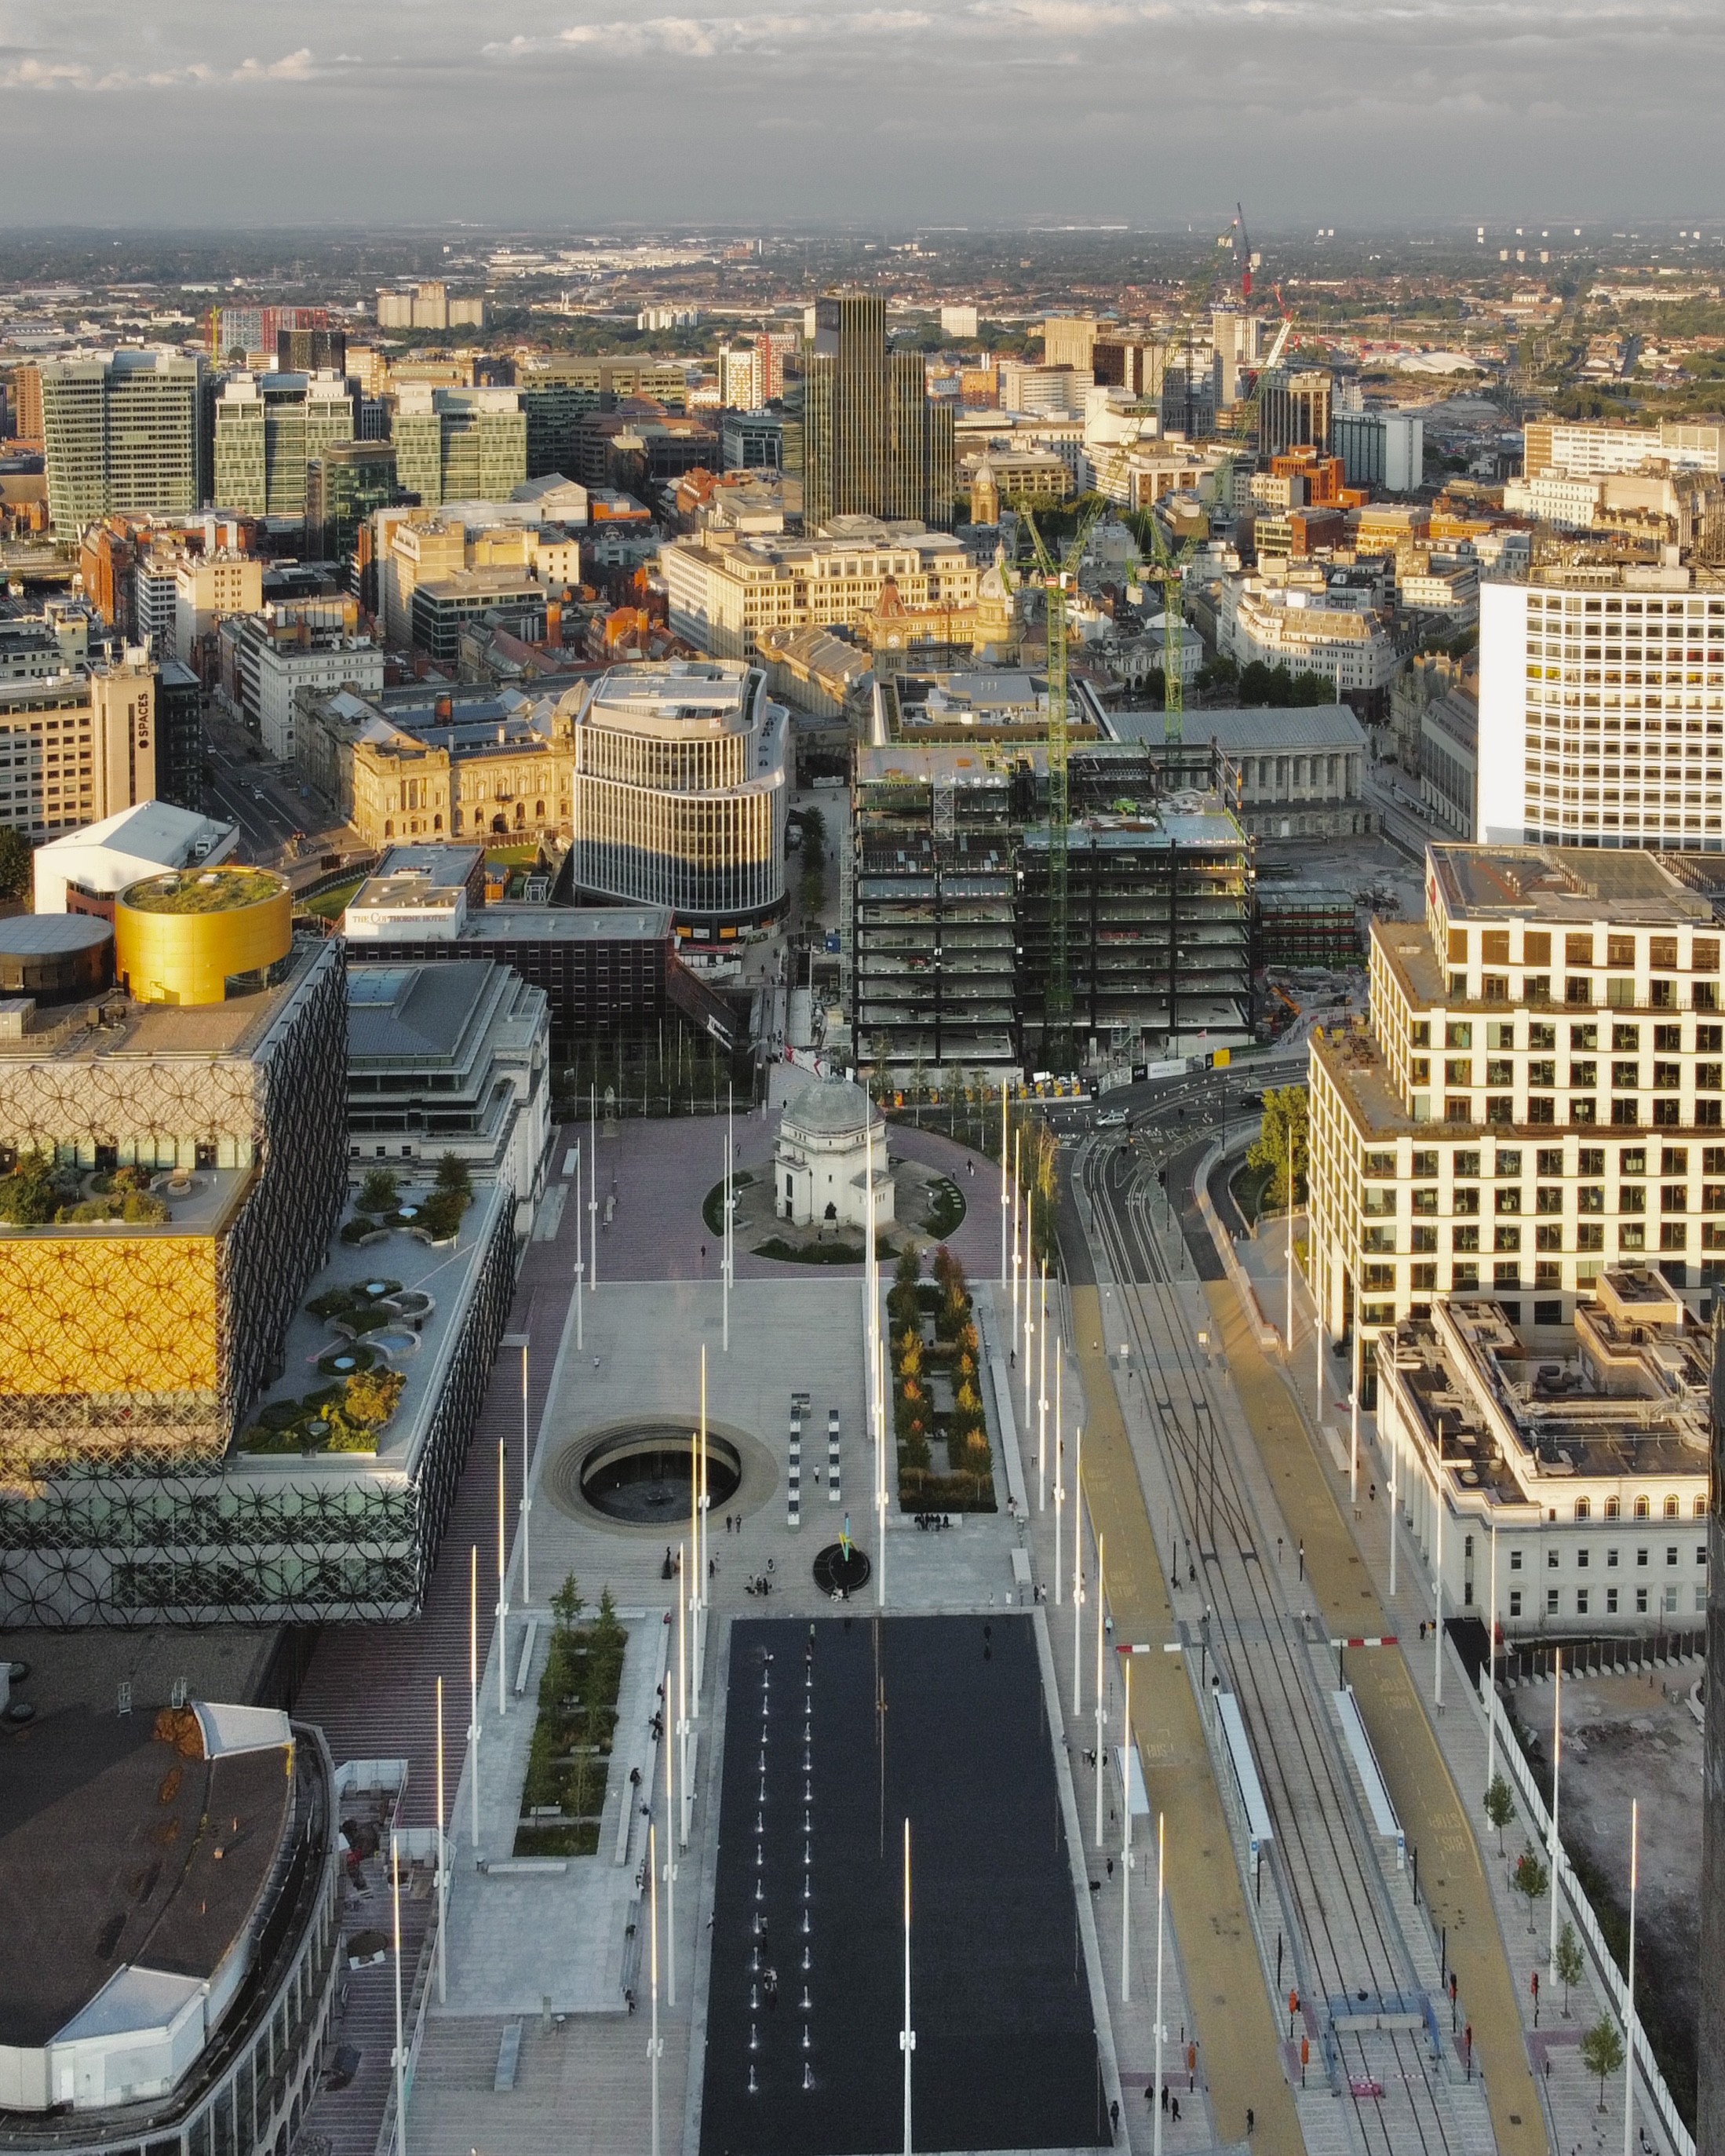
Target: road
<point>266,800</point>
<point>1409,830</point>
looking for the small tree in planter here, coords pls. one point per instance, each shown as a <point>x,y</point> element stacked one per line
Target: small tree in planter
<point>1530,1881</point>
<point>455,1176</point>
<point>1500,1807</point>
<point>1566,1964</point>
<point>380,1192</point>
<point>1602,2052</point>
<point>440,1215</point>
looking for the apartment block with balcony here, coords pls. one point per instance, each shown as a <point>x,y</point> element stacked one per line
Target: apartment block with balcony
<point>1541,1095</point>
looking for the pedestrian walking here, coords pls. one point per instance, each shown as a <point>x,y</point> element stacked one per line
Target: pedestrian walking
<point>1251,2121</point>
<point>1114,2120</point>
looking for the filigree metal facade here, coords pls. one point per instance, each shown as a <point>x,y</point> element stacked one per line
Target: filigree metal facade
<point>137,1345</point>
<point>97,1544</point>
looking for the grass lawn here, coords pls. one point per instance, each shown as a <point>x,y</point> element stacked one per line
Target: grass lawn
<point>331,905</point>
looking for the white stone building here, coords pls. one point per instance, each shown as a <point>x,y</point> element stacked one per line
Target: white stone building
<point>822,1162</point>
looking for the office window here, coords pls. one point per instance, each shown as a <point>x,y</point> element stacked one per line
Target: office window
<point>1553,1598</point>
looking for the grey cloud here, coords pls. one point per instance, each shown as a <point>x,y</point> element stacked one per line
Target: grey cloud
<point>1343,107</point>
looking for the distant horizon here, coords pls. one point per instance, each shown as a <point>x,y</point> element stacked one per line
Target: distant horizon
<point>1006,113</point>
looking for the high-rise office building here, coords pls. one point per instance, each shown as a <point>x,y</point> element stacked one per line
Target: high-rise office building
<point>1602,708</point>
<point>121,431</point>
<point>1295,410</point>
<point>344,484</point>
<point>874,444</point>
<point>268,427</point>
<point>24,403</point>
<point>461,445</point>
<point>311,351</point>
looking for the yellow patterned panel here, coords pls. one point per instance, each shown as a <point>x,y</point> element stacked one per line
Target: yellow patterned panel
<point>90,1313</point>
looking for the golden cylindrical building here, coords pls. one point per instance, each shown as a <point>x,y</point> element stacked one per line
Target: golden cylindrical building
<point>184,937</point>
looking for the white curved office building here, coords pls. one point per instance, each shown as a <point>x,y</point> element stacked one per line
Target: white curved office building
<point>680,791</point>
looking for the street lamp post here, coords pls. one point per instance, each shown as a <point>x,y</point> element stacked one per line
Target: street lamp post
<point>443,1863</point>
<point>1101,1717</point>
<point>1125,1844</point>
<point>1290,1335</point>
<point>654,2048</point>
<point>1156,2095</point>
<point>580,1262</point>
<point>592,1186</point>
<point>521,1340</point>
<point>401,2051</point>
<point>1077,1562</point>
<point>1492,1671</point>
<point>907,2035</point>
<point>1555,1851</point>
<point>502,1588</point>
<point>1629,1988</point>
<point>1359,1366</point>
<point>473,1725</point>
<point>670,1890</point>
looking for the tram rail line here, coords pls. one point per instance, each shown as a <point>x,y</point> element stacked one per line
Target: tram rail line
<point>1351,1943</point>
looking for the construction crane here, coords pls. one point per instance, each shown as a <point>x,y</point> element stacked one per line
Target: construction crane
<point>1056,578</point>
<point>1169,570</point>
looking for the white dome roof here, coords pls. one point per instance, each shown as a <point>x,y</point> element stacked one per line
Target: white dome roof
<point>831,1107</point>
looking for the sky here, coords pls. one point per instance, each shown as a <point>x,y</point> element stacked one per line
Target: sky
<point>547,112</point>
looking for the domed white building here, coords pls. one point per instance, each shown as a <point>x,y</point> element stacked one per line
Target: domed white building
<point>821,1163</point>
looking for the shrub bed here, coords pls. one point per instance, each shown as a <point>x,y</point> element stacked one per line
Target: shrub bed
<point>957,1351</point>
<point>568,1761</point>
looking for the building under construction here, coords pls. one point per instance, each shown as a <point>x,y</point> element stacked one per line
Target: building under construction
<point>949,907</point>
<point>1301,925</point>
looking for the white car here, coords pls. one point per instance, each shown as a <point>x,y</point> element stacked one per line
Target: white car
<point>1111,1119</point>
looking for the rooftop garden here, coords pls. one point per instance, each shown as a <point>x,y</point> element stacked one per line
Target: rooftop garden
<point>203,890</point>
<point>41,1190</point>
<point>437,1219</point>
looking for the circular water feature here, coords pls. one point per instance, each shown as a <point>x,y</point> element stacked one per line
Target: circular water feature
<point>643,1474</point>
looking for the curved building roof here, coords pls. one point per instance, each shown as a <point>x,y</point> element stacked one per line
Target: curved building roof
<point>831,1107</point>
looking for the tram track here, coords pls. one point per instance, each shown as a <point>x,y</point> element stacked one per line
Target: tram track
<point>1349,1944</point>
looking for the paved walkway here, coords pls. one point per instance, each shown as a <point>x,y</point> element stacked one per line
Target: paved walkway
<point>660,1173</point>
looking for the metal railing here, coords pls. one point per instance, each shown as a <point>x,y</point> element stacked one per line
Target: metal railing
<point>1612,1985</point>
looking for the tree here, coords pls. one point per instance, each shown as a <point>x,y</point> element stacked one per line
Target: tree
<point>1567,1964</point>
<point>1284,1122</point>
<point>29,1195</point>
<point>440,1215</point>
<point>1500,1807</point>
<point>1530,1880</point>
<point>1602,2052</point>
<point>567,1605</point>
<point>454,1175</point>
<point>16,870</point>
<point>380,1192</point>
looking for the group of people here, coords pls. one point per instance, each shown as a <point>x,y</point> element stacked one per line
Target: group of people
<point>760,1584</point>
<point>932,1523</point>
